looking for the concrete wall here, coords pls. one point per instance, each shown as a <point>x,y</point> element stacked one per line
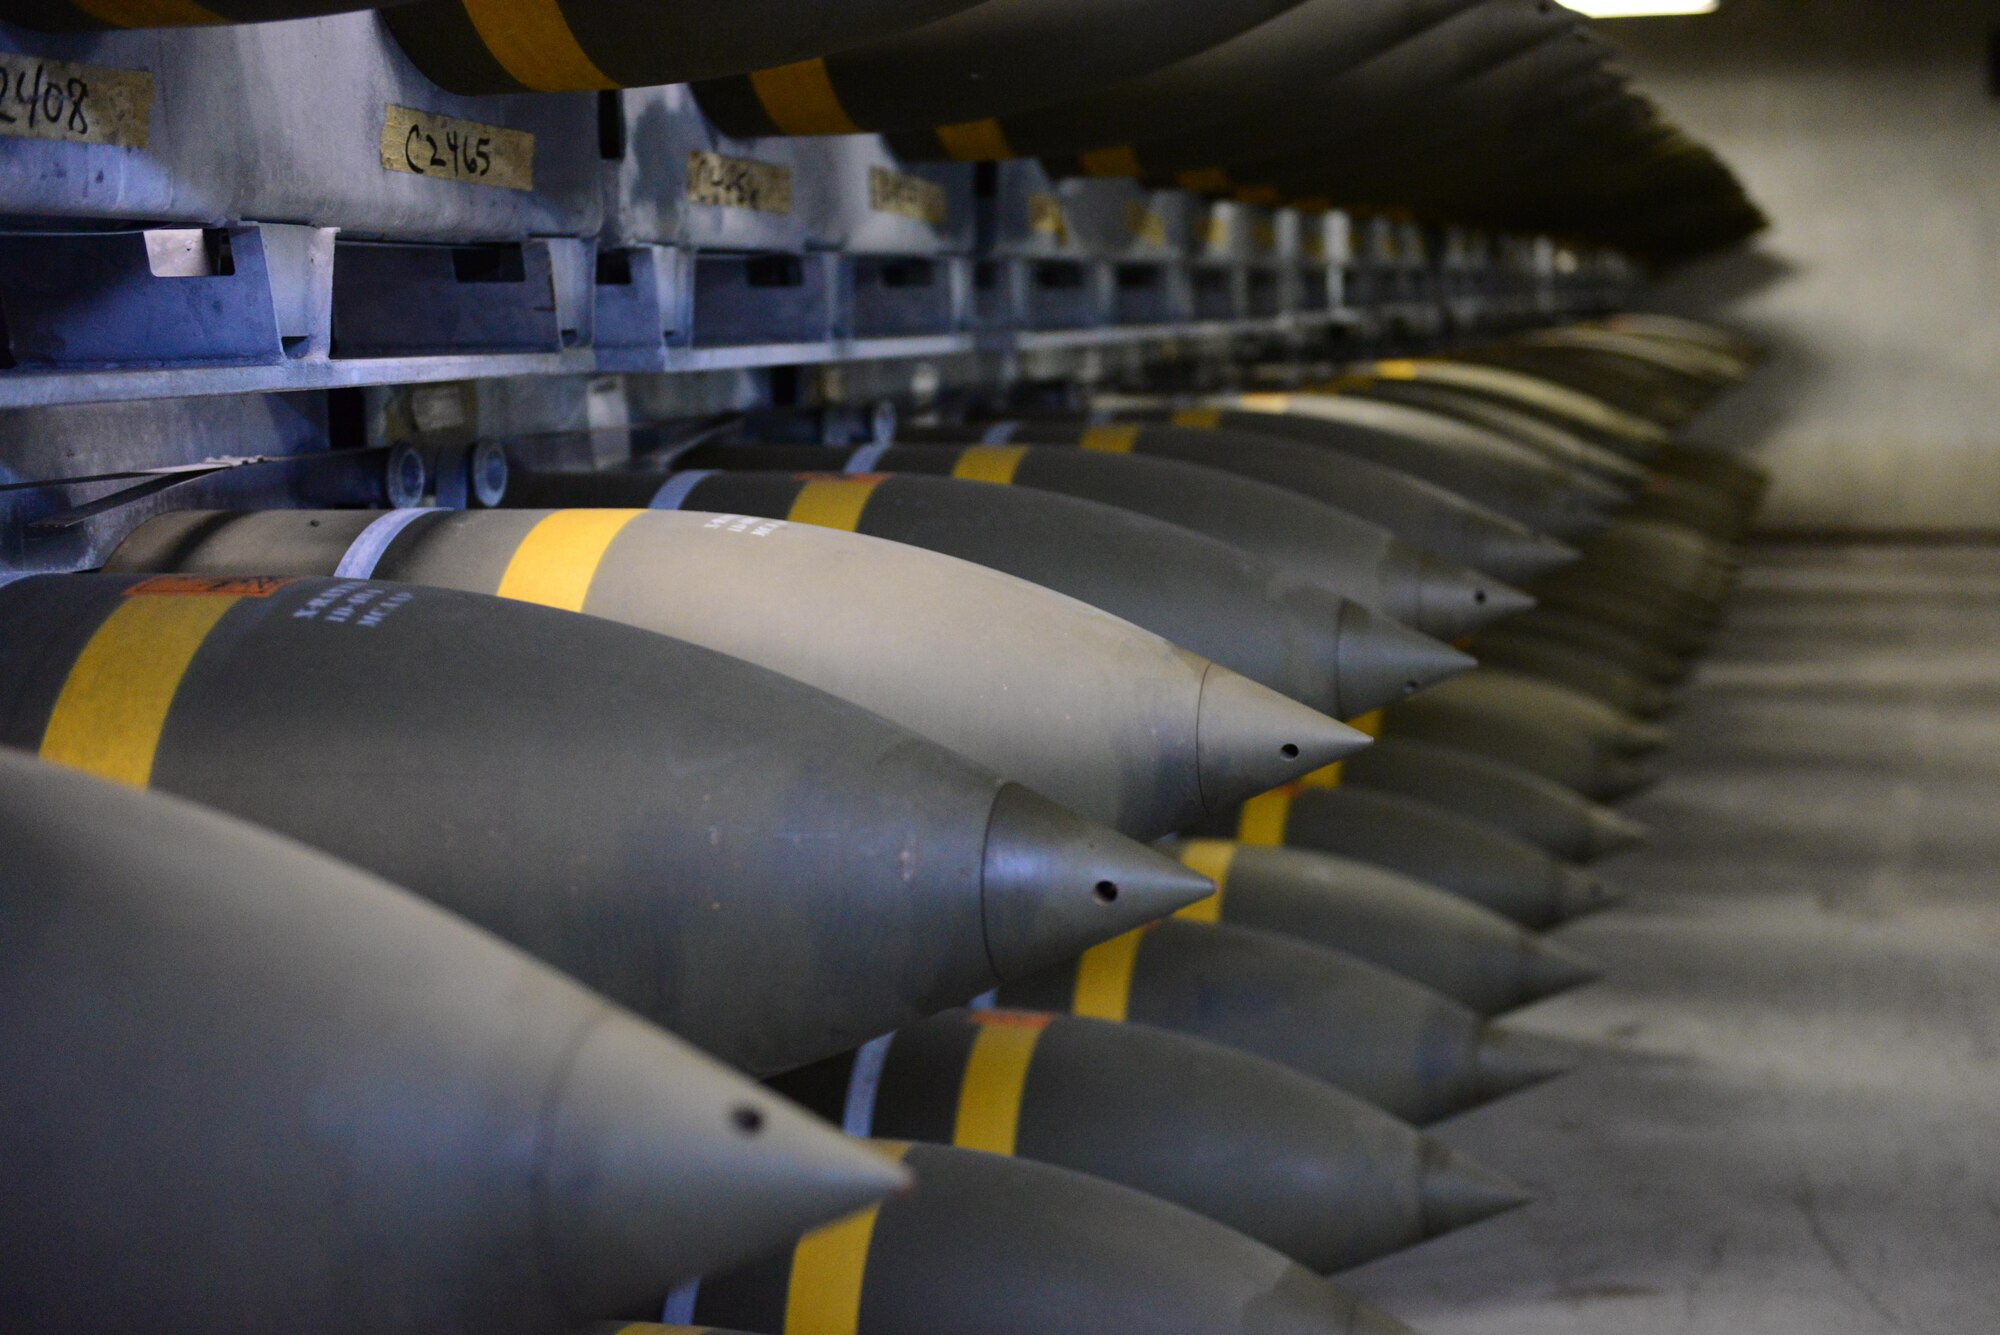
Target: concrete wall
<point>1866,130</point>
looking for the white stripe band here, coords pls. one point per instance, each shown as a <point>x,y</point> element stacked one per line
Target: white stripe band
<point>679,1309</point>
<point>864,459</point>
<point>673,493</point>
<point>365,552</point>
<point>1000,433</point>
<point>857,1118</point>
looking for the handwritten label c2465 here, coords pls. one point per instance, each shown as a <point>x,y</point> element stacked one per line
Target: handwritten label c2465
<point>83,104</point>
<point>449,149</point>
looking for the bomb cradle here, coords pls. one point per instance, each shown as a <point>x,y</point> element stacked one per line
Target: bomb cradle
<point>240,1071</point>
<point>668,823</point>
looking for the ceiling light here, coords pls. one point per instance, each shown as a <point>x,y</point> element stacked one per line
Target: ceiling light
<point>1640,9</point>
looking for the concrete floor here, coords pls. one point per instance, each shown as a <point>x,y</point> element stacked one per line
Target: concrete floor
<point>1787,1117</point>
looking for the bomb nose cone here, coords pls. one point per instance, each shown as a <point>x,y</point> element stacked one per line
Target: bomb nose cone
<point>1249,739</point>
<point>1054,884</point>
<point>1547,968</point>
<point>1382,660</point>
<point>1458,1192</point>
<point>1507,1062</point>
<point>1611,833</point>
<point>1523,556</point>
<point>1578,892</point>
<point>1456,600</point>
<point>655,1151</point>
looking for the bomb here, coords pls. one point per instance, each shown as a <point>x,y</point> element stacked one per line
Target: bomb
<point>1414,509</point>
<point>1493,792</point>
<point>1401,1046</point>
<point>1290,1161</point>
<point>509,46</point>
<point>1351,556</point>
<point>1483,710</point>
<point>1430,936</point>
<point>1098,714</point>
<point>1634,437</point>
<point>1292,635</point>
<point>953,76</point>
<point>252,1088</point>
<point>1552,441</point>
<point>993,1245</point>
<point>660,820</point>
<point>1507,875</point>
<point>1578,670</point>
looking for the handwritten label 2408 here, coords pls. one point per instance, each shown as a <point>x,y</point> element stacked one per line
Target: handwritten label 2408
<point>424,144</point>
<point>84,104</point>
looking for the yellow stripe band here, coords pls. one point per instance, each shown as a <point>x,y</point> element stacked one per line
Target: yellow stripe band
<point>823,1294</point>
<point>1212,858</point>
<point>800,99</point>
<point>1264,403</point>
<point>1201,419</point>
<point>556,562</point>
<point>989,463</point>
<point>833,502</point>
<point>1117,439</point>
<point>532,41</point>
<point>113,705</point>
<point>1104,977</point>
<point>148,13</point>
<point>1398,370</point>
<point>989,1093</point>
<point>1261,823</point>
<point>975,141</point>
<point>1120,161</point>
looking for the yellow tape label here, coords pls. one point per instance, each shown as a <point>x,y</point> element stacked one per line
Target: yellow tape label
<point>989,463</point>
<point>738,183</point>
<point>834,502</point>
<point>556,562</point>
<point>448,149</point>
<point>829,1266</point>
<point>800,99</point>
<point>1146,225</point>
<point>1046,218</point>
<point>1104,977</point>
<point>114,704</point>
<point>79,104</point>
<point>1261,823</point>
<point>990,1090</point>
<point>907,196</point>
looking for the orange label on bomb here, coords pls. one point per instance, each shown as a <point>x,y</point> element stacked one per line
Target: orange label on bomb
<point>195,586</point>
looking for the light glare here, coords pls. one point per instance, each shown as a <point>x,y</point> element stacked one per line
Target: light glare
<point>1640,9</point>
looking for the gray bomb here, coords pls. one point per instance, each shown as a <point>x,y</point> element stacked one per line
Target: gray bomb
<point>1493,792</point>
<point>1634,437</point>
<point>1507,875</point>
<point>998,57</point>
<point>1619,648</point>
<point>1397,1044</point>
<point>251,1088</point>
<point>1538,433</point>
<point>1430,936</point>
<point>1492,703</point>
<point>1349,555</point>
<point>993,1245</point>
<point>659,820</point>
<point>1106,718</point>
<point>1577,669</point>
<point>1207,596</point>
<point>1416,510</point>
<point>1325,1178</point>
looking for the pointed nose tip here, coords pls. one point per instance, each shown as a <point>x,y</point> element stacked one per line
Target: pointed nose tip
<point>1055,884</point>
<point>1457,1191</point>
<point>1547,968</point>
<point>1612,833</point>
<point>1525,555</point>
<point>1578,892</point>
<point>663,1163</point>
<point>1249,739</point>
<point>1456,600</point>
<point>1382,660</point>
<point>1508,1062</point>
